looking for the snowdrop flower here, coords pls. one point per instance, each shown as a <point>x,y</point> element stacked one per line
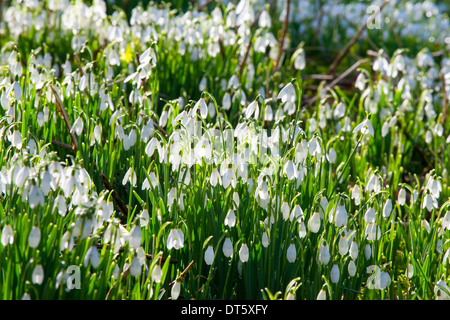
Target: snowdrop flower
<point>209,255</point>
<point>365,127</point>
<point>7,235</point>
<point>353,250</point>
<point>429,202</point>
<point>16,139</point>
<point>175,292</point>
<point>314,222</point>
<point>144,218</point>
<point>226,101</point>
<point>253,108</point>
<point>130,175</point>
<point>289,170</point>
<point>335,274</point>
<point>299,60</point>
<point>370,216</point>
<point>227,248</point>
<point>379,279</point>
<point>387,209</point>
<point>446,221</point>
<point>401,197</point>
<point>324,253</point>
<point>287,94</point>
<point>356,195</point>
<point>77,126</point>
<point>341,216</point>
<point>34,237</point>
<point>331,155</point>
<point>291,253</point>
<point>352,269</point>
<point>215,177</point>
<point>230,219</point>
<point>296,213</point>
<point>360,82</point>
<point>175,239</point>
<point>35,197</point>
<point>285,210</point>
<point>130,140</point>
<point>441,290</point>
<point>135,267</point>
<point>37,277</point>
<point>92,256</point>
<point>243,253</point>
<point>343,245</point>
<point>135,237</point>
<point>373,232</point>
<point>322,295</point>
<point>265,240</point>
<point>374,183</point>
<point>157,273</point>
<point>302,230</point>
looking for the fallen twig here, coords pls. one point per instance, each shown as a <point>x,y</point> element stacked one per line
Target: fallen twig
<point>350,44</point>
<point>62,112</point>
<point>122,207</point>
<point>283,35</point>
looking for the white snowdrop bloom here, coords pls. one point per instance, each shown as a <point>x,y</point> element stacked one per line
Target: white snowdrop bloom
<point>360,81</point>
<point>164,117</point>
<point>373,232</point>
<point>151,146</point>
<point>339,111</point>
<point>300,60</point>
<point>289,170</point>
<point>343,245</point>
<point>236,200</point>
<point>429,202</point>
<point>268,113</point>
<point>46,179</point>
<point>135,237</point>
<point>144,218</point>
<point>446,221</point>
<point>34,237</point>
<point>356,195</point>
<point>209,255</point>
<point>285,210</point>
<point>365,127</point>
<point>322,295</point>
<point>368,251</point>
<point>7,235</point>
<point>262,190</point>
<point>175,239</point>
<point>130,176</point>
<point>226,101</point>
<point>26,296</point>
<point>215,177</point>
<point>253,108</point>
<point>335,274</point>
<point>401,197</point>
<point>156,274</point>
<point>352,268</point>
<point>130,140</point>
<point>35,197</point>
<point>374,183</point>
<point>341,216</point>
<point>353,250</point>
<point>314,222</point>
<point>370,215</point>
<point>175,291</point>
<point>385,129</point>
<point>135,266</point>
<point>16,139</point>
<point>60,203</point>
<point>291,253</point>
<point>77,126</point>
<point>229,178</point>
<point>324,253</point>
<point>287,94</point>
<point>331,155</point>
<point>227,248</point>
<point>92,256</point>
<point>243,253</point>
<point>387,209</point>
<point>441,290</point>
<point>410,271</point>
<point>296,213</point>
<point>230,219</point>
<point>302,230</point>
<point>203,108</point>
<point>37,276</point>
<point>265,240</point>
<point>323,206</point>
